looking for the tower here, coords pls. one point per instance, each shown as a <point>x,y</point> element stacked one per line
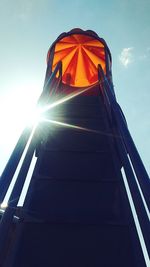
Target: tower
<point>88,195</point>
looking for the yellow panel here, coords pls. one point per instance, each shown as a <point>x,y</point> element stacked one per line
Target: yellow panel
<point>61,46</point>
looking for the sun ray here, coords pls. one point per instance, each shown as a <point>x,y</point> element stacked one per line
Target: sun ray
<point>65,98</point>
<point>77,127</point>
<point>64,124</point>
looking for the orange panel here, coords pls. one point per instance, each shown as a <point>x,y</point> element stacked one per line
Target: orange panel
<point>80,56</point>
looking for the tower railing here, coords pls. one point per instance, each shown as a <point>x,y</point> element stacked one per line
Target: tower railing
<point>136,175</point>
<point>18,151</point>
<point>22,153</point>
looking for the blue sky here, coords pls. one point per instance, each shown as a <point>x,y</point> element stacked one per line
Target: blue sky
<point>27,29</point>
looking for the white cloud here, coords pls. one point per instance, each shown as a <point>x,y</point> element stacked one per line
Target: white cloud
<point>126,56</point>
<point>143,57</point>
<point>146,54</point>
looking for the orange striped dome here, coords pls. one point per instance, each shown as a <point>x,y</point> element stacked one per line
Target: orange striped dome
<point>80,54</point>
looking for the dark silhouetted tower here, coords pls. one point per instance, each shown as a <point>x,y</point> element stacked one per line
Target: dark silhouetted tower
<point>87,202</point>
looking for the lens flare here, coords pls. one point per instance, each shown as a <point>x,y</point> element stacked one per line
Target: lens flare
<point>65,99</point>
<point>59,123</point>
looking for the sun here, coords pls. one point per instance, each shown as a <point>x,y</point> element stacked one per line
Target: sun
<point>17,107</point>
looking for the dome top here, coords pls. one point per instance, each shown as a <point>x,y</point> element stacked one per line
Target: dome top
<point>80,53</point>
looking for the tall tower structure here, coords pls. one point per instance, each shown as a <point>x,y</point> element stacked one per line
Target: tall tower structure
<point>88,200</point>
